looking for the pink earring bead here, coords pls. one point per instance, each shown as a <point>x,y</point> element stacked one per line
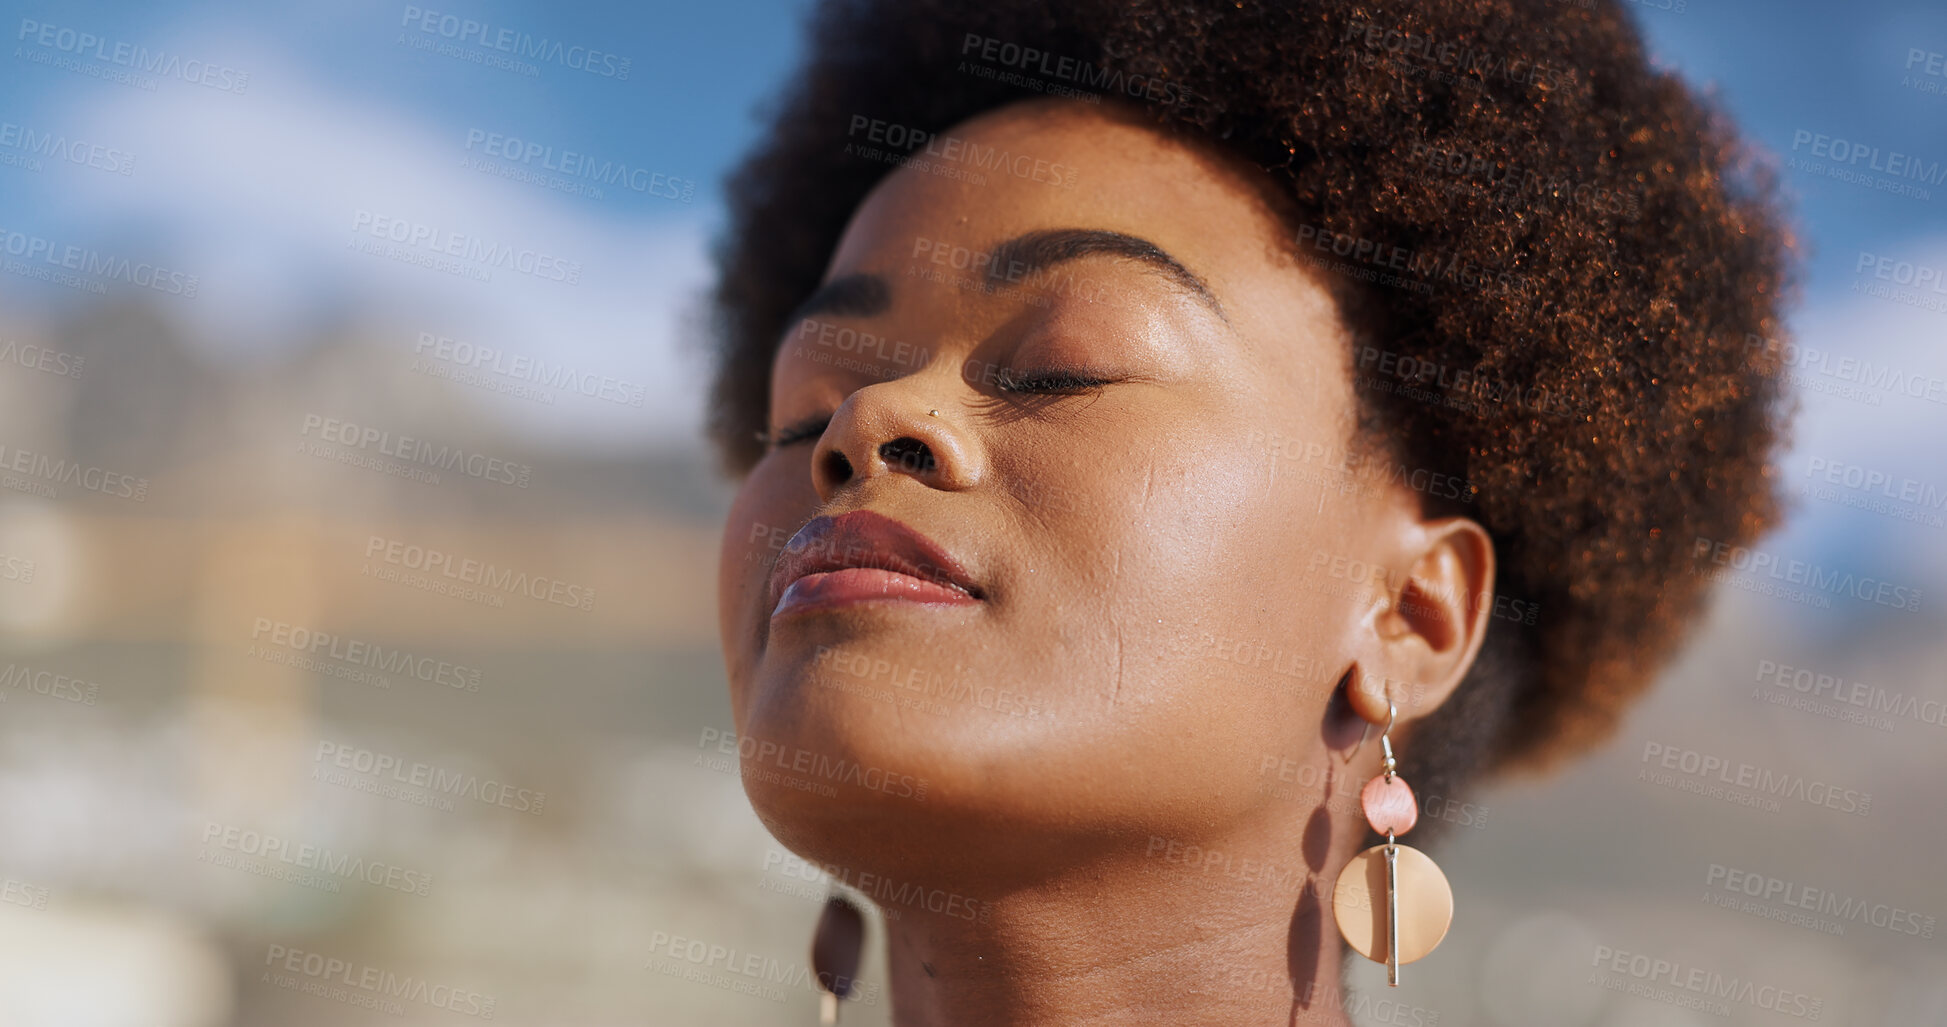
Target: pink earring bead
<point>1389,805</point>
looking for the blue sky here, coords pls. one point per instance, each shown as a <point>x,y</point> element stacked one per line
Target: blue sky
<point>1783,67</point>
<point>699,71</point>
<point>340,111</point>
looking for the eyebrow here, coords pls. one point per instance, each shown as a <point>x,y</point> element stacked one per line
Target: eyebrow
<point>864,294</point>
<point>854,295</point>
<point>1037,251</point>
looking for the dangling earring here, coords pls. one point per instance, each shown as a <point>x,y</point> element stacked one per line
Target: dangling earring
<point>836,946</point>
<point>1410,882</point>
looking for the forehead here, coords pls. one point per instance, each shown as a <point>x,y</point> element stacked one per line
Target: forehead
<point>1062,164</point>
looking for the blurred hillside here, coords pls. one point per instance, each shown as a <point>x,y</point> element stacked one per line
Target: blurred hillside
<point>222,658</point>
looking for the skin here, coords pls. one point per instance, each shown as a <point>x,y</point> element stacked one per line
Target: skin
<point>1127,538</point>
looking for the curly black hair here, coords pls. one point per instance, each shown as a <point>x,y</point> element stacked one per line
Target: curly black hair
<point>1551,256</point>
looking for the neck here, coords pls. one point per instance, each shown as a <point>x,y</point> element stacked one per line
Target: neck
<point>1236,931</point>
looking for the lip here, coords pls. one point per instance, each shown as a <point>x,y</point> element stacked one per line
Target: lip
<point>862,556</point>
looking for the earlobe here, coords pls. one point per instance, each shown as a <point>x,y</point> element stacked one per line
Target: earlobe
<point>1370,694</point>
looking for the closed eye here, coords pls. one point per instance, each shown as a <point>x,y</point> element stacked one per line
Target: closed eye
<point>801,432</point>
<point>1009,380</point>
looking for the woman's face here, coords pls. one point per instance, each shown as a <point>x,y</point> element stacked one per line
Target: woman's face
<point>1161,572</point>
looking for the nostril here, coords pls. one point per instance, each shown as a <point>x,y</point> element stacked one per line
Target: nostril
<point>907,454</point>
<point>837,468</point>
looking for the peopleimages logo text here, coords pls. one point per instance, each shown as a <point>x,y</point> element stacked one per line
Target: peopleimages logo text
<point>59,147</point>
<point>94,262</point>
<point>1809,575</point>
<point>577,165</point>
<point>520,44</point>
<point>1777,784</point>
<point>1840,150</point>
<point>358,652</point>
<point>523,368</point>
<point>416,236</point>
<point>470,571</point>
<point>1028,59</point>
<point>418,451</point>
<point>88,45</point>
<point>306,856</point>
<point>437,780</point>
<point>374,985</point>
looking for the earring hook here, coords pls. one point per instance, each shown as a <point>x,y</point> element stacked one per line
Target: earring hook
<point>1385,738</point>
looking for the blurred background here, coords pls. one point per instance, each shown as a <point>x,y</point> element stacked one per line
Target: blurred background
<point>357,549</point>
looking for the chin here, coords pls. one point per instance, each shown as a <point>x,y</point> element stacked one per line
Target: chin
<point>829,760</point>
<point>841,773</point>
<point>981,800</point>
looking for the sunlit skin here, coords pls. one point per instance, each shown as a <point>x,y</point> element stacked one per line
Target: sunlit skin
<point>1126,536</point>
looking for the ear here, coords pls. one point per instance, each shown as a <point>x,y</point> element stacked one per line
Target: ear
<point>1428,627</point>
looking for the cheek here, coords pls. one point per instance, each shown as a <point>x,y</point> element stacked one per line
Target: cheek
<point>1194,542</point>
<point>1222,653</point>
<point>1184,588</point>
<point>1169,619</point>
<point>769,506</point>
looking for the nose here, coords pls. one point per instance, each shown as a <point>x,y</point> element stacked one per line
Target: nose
<point>882,431</point>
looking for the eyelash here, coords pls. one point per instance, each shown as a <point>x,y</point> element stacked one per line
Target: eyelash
<point>1049,382</point>
<point>1045,383</point>
<point>801,432</point>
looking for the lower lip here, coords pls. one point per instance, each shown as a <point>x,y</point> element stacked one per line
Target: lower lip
<point>863,584</point>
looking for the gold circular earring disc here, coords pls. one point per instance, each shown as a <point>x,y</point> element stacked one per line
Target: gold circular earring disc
<point>1425,903</point>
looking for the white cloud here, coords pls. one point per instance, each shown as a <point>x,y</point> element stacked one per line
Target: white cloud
<point>1900,437</point>
<point>257,194</point>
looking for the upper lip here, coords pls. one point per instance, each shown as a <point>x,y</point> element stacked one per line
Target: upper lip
<point>862,538</point>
